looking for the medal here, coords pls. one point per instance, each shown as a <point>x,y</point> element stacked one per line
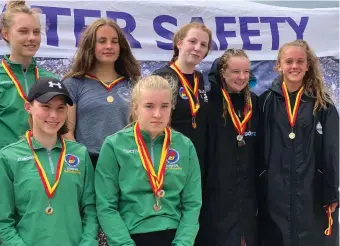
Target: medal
<point>15,79</point>
<point>110,99</point>
<point>191,93</point>
<point>156,180</point>
<point>240,126</point>
<point>292,114</point>
<point>161,193</point>
<point>48,189</point>
<point>241,143</point>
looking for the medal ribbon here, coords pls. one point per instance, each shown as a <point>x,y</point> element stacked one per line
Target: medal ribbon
<point>192,93</point>
<point>240,126</point>
<point>48,189</point>
<point>292,115</point>
<point>328,231</point>
<point>108,87</point>
<point>156,180</point>
<point>15,79</point>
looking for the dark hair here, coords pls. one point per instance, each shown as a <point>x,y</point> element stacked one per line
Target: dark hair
<point>85,59</point>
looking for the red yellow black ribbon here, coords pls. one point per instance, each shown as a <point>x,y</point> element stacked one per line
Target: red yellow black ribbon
<point>156,180</point>
<point>240,126</point>
<point>191,93</point>
<point>292,113</point>
<point>107,86</point>
<point>328,231</point>
<point>15,80</point>
<point>50,190</point>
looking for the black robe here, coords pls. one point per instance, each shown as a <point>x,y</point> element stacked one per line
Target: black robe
<point>297,177</point>
<point>181,119</point>
<point>229,195</point>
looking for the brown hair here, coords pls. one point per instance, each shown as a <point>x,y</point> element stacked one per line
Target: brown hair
<point>182,33</point>
<point>63,130</point>
<point>224,61</point>
<point>85,59</point>
<point>12,8</point>
<point>152,82</point>
<point>312,81</point>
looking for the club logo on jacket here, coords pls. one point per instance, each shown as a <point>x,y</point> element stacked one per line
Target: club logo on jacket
<point>203,95</point>
<point>250,134</point>
<point>72,162</point>
<point>319,128</point>
<point>182,93</point>
<point>172,159</point>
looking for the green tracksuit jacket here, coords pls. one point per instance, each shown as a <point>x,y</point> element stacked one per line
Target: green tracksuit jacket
<point>13,117</point>
<point>124,196</point>
<point>23,221</point>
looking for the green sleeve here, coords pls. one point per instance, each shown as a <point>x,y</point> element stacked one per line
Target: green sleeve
<point>8,234</point>
<point>107,192</point>
<point>88,208</point>
<point>191,200</point>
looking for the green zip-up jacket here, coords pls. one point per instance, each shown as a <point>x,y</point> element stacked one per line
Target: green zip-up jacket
<point>23,221</point>
<point>124,196</point>
<point>13,117</point>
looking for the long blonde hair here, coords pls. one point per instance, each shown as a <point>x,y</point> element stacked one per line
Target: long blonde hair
<point>182,33</point>
<point>13,7</point>
<point>312,81</point>
<point>149,83</point>
<point>224,62</point>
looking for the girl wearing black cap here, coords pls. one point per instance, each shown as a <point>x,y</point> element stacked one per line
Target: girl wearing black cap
<point>228,215</point>
<point>47,194</point>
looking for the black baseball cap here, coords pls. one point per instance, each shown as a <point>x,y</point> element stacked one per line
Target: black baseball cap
<point>44,89</point>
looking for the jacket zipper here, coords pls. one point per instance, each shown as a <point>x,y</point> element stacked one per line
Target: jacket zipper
<point>25,78</point>
<point>50,161</point>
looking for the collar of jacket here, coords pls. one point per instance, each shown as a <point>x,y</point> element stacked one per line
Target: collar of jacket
<point>36,145</point>
<point>17,67</point>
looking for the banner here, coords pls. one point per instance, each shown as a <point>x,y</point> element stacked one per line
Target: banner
<point>149,25</point>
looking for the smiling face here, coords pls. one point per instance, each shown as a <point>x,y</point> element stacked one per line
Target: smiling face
<point>23,35</point>
<point>48,117</point>
<point>194,47</point>
<point>107,47</point>
<point>237,73</point>
<point>293,64</point>
<point>153,110</point>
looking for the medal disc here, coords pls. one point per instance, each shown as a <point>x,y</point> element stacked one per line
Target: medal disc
<point>161,193</point>
<point>109,99</point>
<point>292,135</point>
<point>157,207</point>
<point>49,210</point>
<point>241,143</point>
<point>239,137</point>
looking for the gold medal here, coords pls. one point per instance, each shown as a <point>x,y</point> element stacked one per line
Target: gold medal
<point>110,99</point>
<point>49,210</point>
<point>292,135</point>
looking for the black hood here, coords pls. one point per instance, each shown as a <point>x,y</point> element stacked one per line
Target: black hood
<point>277,86</point>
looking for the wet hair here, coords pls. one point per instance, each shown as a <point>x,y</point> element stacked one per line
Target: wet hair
<point>85,58</point>
<point>182,33</point>
<point>224,62</point>
<point>312,81</point>
<point>63,130</point>
<point>12,8</point>
<point>150,83</point>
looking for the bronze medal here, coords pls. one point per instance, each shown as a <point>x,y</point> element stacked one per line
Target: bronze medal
<point>157,207</point>
<point>241,143</point>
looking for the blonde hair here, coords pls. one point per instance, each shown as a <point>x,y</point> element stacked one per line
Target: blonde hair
<point>12,8</point>
<point>182,33</point>
<point>312,81</point>
<point>150,83</point>
<point>85,59</point>
<point>224,63</point>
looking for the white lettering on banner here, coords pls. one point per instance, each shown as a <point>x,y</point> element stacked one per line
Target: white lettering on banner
<point>258,28</point>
